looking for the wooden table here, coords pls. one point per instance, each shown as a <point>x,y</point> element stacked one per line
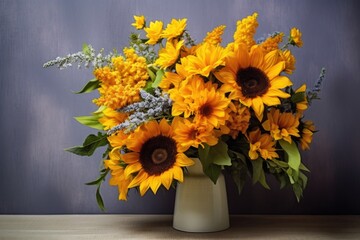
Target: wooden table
<point>106,227</point>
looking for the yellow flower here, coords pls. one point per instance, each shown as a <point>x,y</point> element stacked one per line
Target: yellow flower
<point>183,97</point>
<point>295,37</point>
<point>193,134</point>
<point>282,125</point>
<point>174,29</point>
<point>112,118</point>
<point>170,80</point>
<point>289,61</point>
<point>118,177</point>
<point>214,37</point>
<point>245,31</point>
<point>239,120</point>
<point>308,129</point>
<point>170,54</point>
<point>121,83</point>
<point>303,105</point>
<point>153,32</point>
<point>201,100</point>
<point>139,22</point>
<point>254,78</point>
<point>118,140</point>
<point>155,157</point>
<point>207,58</point>
<point>211,107</point>
<point>263,144</point>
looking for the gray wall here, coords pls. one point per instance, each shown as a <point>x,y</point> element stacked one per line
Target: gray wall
<point>37,105</point>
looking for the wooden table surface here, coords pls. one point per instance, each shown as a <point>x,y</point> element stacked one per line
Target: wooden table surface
<point>106,227</point>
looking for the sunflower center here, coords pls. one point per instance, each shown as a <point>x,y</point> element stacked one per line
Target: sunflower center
<point>206,110</point>
<point>158,154</point>
<point>253,82</point>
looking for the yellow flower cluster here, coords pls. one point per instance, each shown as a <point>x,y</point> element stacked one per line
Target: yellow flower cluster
<point>245,31</point>
<point>121,83</point>
<point>214,37</point>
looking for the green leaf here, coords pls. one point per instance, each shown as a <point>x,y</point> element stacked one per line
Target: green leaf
<point>209,168</point>
<point>151,74</point>
<point>294,158</point>
<point>203,154</point>
<point>281,164</point>
<point>298,190</point>
<point>298,97</point>
<point>213,171</point>
<point>159,75</point>
<point>90,86</point>
<point>99,199</point>
<point>218,154</point>
<point>258,173</point>
<point>239,176</point>
<point>90,121</point>
<point>304,168</point>
<point>89,146</point>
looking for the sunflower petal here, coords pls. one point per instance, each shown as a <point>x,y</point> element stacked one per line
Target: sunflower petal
<point>183,161</point>
<point>280,82</point>
<point>131,157</point>
<point>258,106</point>
<point>155,183</point>
<point>144,186</point>
<point>275,70</point>
<point>167,178</point>
<point>140,177</point>
<point>132,168</point>
<point>165,128</point>
<point>256,57</point>
<point>178,173</point>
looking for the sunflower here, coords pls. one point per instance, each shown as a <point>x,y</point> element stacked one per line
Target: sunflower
<point>282,125</point>
<point>118,178</point>
<point>263,144</point>
<point>193,134</point>
<point>308,129</point>
<point>155,158</point>
<point>253,78</point>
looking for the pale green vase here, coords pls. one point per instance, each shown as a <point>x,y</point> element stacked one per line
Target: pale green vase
<point>201,205</point>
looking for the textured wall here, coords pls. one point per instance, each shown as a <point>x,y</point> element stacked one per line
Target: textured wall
<point>37,105</point>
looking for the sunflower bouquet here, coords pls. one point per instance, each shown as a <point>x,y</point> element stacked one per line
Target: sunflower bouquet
<point>166,100</point>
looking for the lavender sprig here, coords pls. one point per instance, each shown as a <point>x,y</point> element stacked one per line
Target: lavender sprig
<point>87,57</point>
<point>152,107</point>
<point>313,93</point>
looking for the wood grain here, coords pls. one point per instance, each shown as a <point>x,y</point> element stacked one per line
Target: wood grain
<point>108,227</point>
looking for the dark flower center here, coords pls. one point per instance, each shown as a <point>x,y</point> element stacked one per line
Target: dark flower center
<point>253,82</point>
<point>206,110</point>
<point>158,154</point>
